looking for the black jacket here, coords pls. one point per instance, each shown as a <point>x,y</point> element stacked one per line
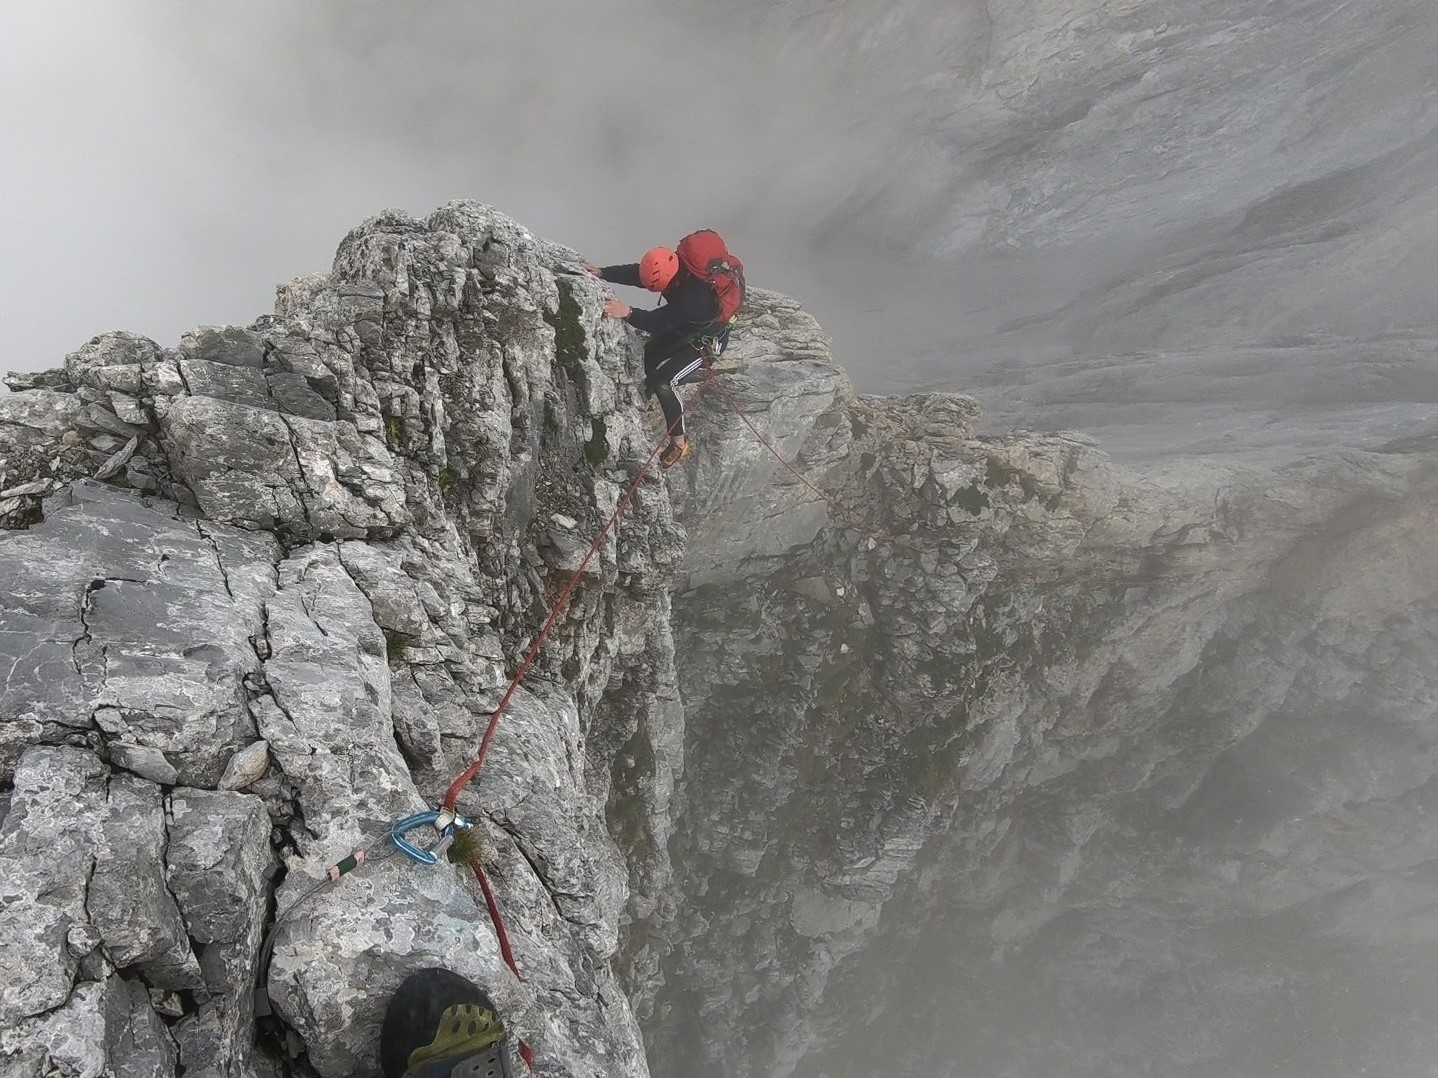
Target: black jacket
<point>690,305</point>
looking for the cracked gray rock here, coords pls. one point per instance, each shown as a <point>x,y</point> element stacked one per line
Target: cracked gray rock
<point>722,811</point>
<point>120,614</point>
<point>218,866</point>
<point>47,853</point>
<point>128,900</point>
<point>327,557</point>
<point>105,1027</point>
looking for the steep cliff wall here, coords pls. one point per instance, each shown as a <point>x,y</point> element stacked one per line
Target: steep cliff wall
<point>280,623</point>
<point>1095,771</point>
<point>1008,760</point>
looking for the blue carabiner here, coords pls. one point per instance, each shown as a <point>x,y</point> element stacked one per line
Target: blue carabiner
<point>400,828</point>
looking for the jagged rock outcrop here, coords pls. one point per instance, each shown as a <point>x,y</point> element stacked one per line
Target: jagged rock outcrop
<point>958,773</point>
<point>984,714</point>
<point>278,621</point>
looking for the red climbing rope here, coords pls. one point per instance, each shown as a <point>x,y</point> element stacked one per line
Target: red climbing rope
<point>451,797</point>
<point>525,1050</point>
<point>833,503</point>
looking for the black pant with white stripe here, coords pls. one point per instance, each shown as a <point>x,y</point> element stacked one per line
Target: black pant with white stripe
<point>668,362</point>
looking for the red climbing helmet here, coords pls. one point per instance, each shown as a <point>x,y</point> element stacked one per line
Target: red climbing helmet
<point>657,268</point>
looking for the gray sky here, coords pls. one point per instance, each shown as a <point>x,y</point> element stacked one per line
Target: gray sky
<point>167,165</point>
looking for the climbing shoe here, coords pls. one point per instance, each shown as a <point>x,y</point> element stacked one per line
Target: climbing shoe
<point>439,1025</point>
<point>674,453</point>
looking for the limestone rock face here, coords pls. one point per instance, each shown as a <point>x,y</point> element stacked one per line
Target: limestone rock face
<point>278,620</point>
<point>218,866</point>
<point>1059,738</point>
<point>1003,738</point>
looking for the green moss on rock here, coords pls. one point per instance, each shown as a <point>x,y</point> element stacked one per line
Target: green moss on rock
<point>396,645</point>
<point>569,339</point>
<point>626,812</point>
<point>597,448</point>
<point>394,430</point>
<point>972,499</point>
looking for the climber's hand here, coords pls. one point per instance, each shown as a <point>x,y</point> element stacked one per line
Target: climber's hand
<point>616,308</point>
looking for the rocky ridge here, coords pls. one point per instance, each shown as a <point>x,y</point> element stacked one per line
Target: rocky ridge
<point>1019,792</point>
<point>319,544</point>
<point>277,619</point>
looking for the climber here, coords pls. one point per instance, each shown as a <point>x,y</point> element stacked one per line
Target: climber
<point>702,286</point>
<point>439,1025</point>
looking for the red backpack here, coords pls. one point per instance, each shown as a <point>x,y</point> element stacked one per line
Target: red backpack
<point>705,255</point>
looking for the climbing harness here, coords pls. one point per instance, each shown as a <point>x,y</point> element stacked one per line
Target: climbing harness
<point>711,345</point>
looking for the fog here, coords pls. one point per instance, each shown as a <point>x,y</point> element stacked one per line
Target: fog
<point>167,165</point>
<point>992,199</point>
<point>1189,227</point>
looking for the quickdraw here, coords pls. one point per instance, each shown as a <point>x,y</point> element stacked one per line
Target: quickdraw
<point>446,822</point>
